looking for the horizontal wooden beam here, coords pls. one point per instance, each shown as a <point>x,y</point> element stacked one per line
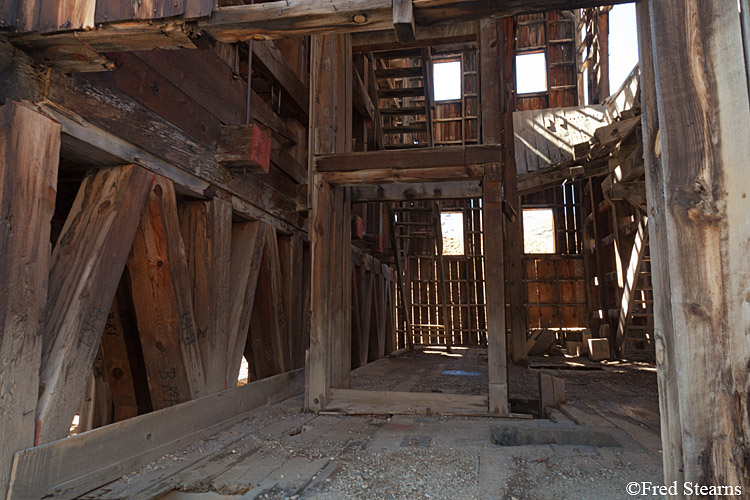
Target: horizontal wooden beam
<point>452,156</point>
<point>418,191</point>
<point>404,175</point>
<point>305,17</point>
<point>71,467</point>
<point>439,34</point>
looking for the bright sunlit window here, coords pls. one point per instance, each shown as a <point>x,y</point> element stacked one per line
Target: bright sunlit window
<point>447,80</point>
<point>531,73</point>
<point>623,44</point>
<point>538,231</point>
<point>452,224</point>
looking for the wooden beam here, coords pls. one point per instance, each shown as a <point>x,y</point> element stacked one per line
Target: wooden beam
<point>403,21</point>
<point>495,295</point>
<point>705,186</point>
<point>117,365</point>
<point>163,302</point>
<point>207,233</point>
<point>85,268</point>
<point>305,17</point>
<point>271,62</point>
<point>71,467</point>
<point>417,191</point>
<point>426,36</point>
<point>267,340</point>
<point>291,257</point>
<point>247,249</point>
<point>362,100</point>
<point>664,332</point>
<point>29,154</point>
<point>407,159</point>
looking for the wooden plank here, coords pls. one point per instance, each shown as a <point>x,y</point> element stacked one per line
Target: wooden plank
<point>449,156</point>
<point>8,9</point>
<point>449,33</point>
<point>268,334</point>
<point>207,233</point>
<point>71,467</point>
<point>403,21</point>
<point>358,402</point>
<point>197,8</point>
<point>271,62</point>
<point>108,11</point>
<point>27,201</point>
<point>64,15</point>
<point>705,222</point>
<point>247,248</point>
<point>163,302</point>
<point>85,269</point>
<point>495,295</point>
<point>158,9</point>
<point>362,100</point>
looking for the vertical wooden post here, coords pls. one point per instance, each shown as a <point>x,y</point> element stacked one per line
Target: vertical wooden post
<point>701,89</point>
<point>664,333</point>
<point>495,290</point>
<point>330,129</point>
<point>291,257</point>
<point>497,128</point>
<point>29,155</point>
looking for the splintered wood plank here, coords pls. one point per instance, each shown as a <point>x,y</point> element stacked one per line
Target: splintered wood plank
<point>85,268</point>
<point>291,260</point>
<point>267,343</point>
<point>163,302</point>
<point>29,153</point>
<point>247,249</point>
<point>207,234</point>
<point>117,366</point>
<point>65,15</point>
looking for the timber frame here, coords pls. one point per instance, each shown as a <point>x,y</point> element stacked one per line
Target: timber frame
<point>154,210</point>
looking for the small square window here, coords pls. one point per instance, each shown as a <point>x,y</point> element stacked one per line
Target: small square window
<point>538,231</point>
<point>446,77</point>
<point>452,224</point>
<point>531,73</point>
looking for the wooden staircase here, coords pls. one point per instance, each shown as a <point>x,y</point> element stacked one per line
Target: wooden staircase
<point>403,107</point>
<point>416,232</point>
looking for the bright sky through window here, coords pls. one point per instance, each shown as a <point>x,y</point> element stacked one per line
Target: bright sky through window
<point>447,80</point>
<point>623,44</point>
<point>531,73</point>
<point>538,231</point>
<point>453,232</point>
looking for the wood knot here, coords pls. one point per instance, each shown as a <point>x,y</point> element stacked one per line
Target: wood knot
<point>360,19</point>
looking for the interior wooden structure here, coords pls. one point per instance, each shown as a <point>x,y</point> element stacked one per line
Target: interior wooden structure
<point>206,207</point>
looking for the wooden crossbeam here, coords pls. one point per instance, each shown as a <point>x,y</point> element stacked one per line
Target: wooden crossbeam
<point>403,21</point>
<point>86,266</point>
<point>163,302</point>
<point>418,191</point>
<point>29,154</point>
<point>451,156</point>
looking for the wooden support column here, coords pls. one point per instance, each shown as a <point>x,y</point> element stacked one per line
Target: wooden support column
<point>496,71</point>
<point>85,270</point>
<point>495,290</point>
<point>330,132</point>
<point>29,155</point>
<point>664,332</point>
<point>163,302</point>
<point>291,255</point>
<point>703,102</point>
<point>207,234</point>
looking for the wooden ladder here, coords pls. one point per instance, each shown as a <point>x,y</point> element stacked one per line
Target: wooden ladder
<point>416,232</point>
<point>404,98</point>
<point>635,330</point>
